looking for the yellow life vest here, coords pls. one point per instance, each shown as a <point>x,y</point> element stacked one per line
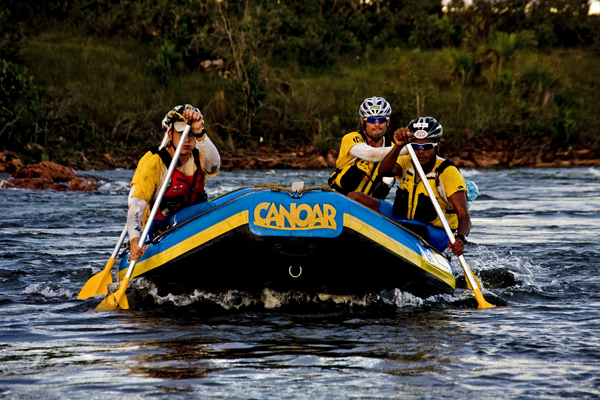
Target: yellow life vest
<point>355,175</point>
<point>412,200</point>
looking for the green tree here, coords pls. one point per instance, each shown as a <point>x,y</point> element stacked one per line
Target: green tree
<point>19,105</point>
<point>166,61</point>
<point>19,96</point>
<point>434,32</point>
<point>465,65</point>
<point>559,22</point>
<point>501,46</point>
<point>239,39</point>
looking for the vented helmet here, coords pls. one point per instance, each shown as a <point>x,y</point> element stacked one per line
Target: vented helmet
<point>425,128</point>
<point>176,114</point>
<point>375,107</point>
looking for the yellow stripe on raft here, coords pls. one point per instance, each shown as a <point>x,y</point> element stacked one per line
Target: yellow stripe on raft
<point>398,248</point>
<point>188,244</point>
<point>242,218</point>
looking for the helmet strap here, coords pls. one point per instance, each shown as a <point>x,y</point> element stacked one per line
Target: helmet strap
<point>170,139</point>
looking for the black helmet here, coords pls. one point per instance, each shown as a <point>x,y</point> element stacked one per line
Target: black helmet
<point>425,128</point>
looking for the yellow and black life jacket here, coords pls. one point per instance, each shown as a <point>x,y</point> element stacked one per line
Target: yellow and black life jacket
<point>359,175</point>
<point>412,200</point>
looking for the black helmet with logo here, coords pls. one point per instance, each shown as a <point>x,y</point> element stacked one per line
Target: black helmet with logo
<point>425,128</point>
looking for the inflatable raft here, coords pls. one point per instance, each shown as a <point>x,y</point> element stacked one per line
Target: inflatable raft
<point>310,239</point>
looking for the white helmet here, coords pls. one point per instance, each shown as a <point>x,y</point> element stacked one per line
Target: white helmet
<point>176,114</point>
<point>375,107</point>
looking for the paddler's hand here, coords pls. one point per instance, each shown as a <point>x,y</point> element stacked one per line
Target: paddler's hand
<point>135,250</point>
<point>458,247</point>
<point>197,118</point>
<point>402,136</point>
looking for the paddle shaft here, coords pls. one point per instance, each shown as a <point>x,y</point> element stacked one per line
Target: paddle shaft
<point>161,193</point>
<point>119,243</point>
<point>98,283</point>
<point>440,214</point>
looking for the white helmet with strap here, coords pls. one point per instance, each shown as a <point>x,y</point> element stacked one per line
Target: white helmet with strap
<point>375,107</point>
<point>176,114</point>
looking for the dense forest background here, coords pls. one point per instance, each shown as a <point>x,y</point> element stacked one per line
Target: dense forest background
<point>83,79</point>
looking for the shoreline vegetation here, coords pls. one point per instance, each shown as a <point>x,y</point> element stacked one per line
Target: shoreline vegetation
<point>86,83</point>
<point>47,175</point>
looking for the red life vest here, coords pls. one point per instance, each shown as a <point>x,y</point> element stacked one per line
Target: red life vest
<point>182,191</point>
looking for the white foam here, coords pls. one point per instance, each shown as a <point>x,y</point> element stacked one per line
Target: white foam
<point>272,299</point>
<point>48,292</point>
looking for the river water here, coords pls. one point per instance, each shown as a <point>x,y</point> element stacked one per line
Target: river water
<point>535,243</point>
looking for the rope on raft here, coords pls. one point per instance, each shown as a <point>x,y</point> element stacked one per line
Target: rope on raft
<point>275,187</point>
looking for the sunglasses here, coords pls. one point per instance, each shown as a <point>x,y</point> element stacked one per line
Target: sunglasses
<point>381,120</point>
<point>424,146</point>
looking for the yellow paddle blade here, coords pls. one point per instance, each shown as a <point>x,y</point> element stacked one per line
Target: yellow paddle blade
<point>116,300</point>
<point>476,281</point>
<point>108,304</point>
<point>98,283</point>
<point>482,303</point>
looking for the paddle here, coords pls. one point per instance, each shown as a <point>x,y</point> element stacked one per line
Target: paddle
<point>98,283</point>
<point>119,298</point>
<point>468,274</point>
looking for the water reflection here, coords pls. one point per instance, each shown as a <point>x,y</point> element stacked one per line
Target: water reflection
<point>391,343</point>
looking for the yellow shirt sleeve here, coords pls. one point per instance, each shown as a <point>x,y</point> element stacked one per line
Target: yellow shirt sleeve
<point>453,181</point>
<point>147,176</point>
<point>404,162</point>
<point>348,141</point>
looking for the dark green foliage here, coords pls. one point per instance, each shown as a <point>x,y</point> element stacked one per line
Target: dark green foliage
<point>293,71</point>
<point>19,105</point>
<point>560,22</point>
<point>19,96</point>
<point>166,61</point>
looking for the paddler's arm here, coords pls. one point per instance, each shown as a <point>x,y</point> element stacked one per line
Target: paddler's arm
<point>368,153</point>
<point>459,203</point>
<point>144,184</point>
<point>389,165</point>
<point>135,217</point>
<point>211,160</point>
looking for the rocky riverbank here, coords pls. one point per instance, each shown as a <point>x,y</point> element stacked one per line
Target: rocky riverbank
<point>45,175</point>
<point>49,175</point>
<point>315,159</point>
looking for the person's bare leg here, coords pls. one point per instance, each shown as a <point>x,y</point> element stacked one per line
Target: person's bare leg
<point>364,199</point>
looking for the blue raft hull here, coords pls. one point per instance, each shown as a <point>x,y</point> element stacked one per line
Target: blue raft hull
<point>319,241</point>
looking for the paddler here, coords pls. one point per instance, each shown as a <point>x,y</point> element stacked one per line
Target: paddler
<point>361,151</point>
<point>412,201</point>
<point>199,159</point>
